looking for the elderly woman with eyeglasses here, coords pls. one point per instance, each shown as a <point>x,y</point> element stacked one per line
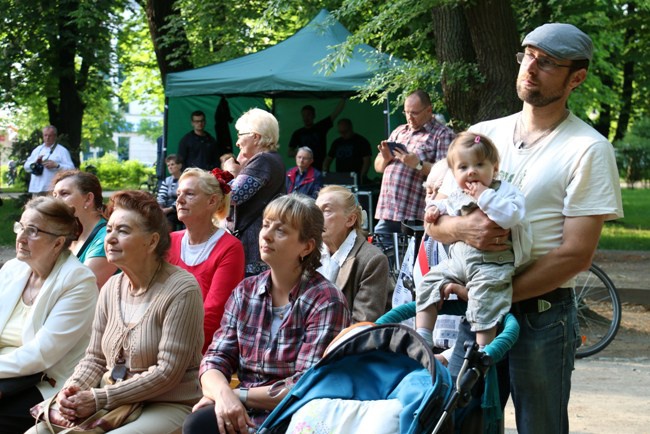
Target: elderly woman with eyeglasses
<point>260,175</point>
<point>48,302</point>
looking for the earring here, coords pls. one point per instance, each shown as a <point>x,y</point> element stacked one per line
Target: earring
<point>85,206</point>
<point>302,258</point>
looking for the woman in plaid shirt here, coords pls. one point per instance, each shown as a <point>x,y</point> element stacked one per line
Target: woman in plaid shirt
<point>276,325</point>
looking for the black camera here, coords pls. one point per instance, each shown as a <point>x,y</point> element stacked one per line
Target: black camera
<point>37,168</point>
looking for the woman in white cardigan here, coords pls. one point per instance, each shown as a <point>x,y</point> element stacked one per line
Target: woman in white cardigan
<point>48,303</point>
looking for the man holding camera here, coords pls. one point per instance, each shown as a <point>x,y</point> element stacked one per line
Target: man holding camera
<point>426,141</point>
<point>45,160</point>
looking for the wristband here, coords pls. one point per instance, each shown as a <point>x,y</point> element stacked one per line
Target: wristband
<point>243,394</point>
<point>419,166</point>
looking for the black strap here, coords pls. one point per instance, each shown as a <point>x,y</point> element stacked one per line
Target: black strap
<point>90,238</point>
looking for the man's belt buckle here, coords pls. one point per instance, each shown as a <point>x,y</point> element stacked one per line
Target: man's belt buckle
<point>543,305</point>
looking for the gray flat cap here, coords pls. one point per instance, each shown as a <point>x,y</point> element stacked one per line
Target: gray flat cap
<point>562,41</point>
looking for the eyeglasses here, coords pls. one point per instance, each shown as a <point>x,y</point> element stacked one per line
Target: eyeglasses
<point>31,231</point>
<point>543,63</point>
<point>413,112</point>
<point>244,134</point>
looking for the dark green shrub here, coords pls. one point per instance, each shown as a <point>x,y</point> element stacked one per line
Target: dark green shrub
<point>118,175</point>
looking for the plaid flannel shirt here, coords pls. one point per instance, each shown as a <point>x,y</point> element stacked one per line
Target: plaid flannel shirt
<point>402,195</point>
<point>244,345</point>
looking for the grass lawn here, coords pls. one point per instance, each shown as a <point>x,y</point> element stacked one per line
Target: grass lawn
<point>629,233</point>
<point>633,231</point>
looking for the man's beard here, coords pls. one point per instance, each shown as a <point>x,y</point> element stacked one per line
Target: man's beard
<point>537,98</point>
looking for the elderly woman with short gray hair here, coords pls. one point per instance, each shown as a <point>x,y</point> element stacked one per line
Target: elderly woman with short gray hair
<point>260,173</point>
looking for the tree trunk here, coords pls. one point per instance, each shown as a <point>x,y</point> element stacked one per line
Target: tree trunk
<point>626,97</point>
<point>494,35</point>
<point>483,33</point>
<point>604,123</point>
<point>67,113</point>
<point>174,54</point>
<point>454,49</point>
<point>628,81</point>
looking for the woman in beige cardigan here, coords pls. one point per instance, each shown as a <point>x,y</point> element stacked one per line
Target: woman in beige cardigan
<point>148,329</point>
<point>359,269</point>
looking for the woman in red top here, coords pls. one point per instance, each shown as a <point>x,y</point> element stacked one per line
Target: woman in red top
<point>211,254</point>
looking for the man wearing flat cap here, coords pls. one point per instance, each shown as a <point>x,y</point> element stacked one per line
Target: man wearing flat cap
<point>567,171</point>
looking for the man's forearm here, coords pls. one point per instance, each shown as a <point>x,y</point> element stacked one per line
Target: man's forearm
<point>475,229</point>
<point>580,240</point>
<point>444,230</point>
<point>380,163</point>
<point>547,273</point>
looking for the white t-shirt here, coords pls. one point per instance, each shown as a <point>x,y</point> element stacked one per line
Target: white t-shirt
<point>59,154</point>
<point>570,173</point>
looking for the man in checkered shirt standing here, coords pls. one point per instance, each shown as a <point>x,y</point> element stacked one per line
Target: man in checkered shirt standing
<point>426,140</point>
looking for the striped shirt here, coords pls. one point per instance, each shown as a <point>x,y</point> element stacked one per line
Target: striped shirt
<point>402,195</point>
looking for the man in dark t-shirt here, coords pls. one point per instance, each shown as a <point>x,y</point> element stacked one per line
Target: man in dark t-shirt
<point>198,148</point>
<point>351,151</point>
<point>314,135</point>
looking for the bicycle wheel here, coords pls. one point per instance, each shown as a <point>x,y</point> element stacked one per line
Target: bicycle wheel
<point>599,310</point>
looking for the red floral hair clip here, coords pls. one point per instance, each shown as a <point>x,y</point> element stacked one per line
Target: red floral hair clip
<point>224,177</point>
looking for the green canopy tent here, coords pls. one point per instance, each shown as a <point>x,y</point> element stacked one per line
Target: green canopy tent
<point>282,79</point>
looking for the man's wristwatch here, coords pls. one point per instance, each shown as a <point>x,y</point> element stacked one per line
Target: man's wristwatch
<point>419,166</point>
<point>243,394</point>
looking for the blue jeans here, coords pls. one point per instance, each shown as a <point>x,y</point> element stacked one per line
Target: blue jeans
<point>384,235</point>
<point>388,227</point>
<point>540,366</point>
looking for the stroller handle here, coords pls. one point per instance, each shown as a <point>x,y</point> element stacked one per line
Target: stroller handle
<point>406,311</point>
<point>497,349</point>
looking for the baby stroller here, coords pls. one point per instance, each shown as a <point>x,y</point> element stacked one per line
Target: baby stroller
<point>382,379</point>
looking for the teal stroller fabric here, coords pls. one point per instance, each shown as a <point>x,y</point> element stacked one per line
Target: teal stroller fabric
<point>383,362</point>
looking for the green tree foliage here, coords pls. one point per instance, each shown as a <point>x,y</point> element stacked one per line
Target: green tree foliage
<point>57,60</point>
<point>150,129</point>
<point>462,52</point>
<point>167,35</point>
<point>138,73</point>
<point>633,153</point>
<point>215,31</point>
<point>615,94</point>
<point>19,153</point>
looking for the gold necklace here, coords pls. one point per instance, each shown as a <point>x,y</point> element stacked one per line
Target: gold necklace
<point>31,289</point>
